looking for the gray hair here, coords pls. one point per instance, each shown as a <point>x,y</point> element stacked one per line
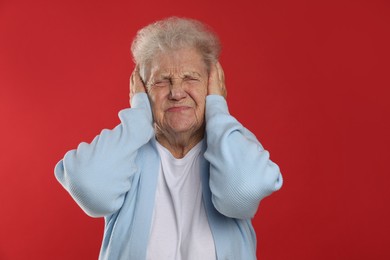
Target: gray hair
<point>171,34</point>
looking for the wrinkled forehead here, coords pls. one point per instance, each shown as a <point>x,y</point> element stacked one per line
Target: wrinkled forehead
<point>178,63</point>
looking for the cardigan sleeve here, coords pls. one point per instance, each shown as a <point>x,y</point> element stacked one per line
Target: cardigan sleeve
<point>241,172</point>
<point>99,174</point>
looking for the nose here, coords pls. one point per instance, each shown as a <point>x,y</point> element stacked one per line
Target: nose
<point>177,91</point>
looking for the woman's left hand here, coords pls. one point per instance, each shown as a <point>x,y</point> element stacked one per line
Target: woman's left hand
<point>217,81</point>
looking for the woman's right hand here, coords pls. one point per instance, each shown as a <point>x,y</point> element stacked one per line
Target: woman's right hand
<point>136,84</point>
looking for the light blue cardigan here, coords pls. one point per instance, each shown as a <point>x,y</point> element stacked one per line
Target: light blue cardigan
<point>115,177</point>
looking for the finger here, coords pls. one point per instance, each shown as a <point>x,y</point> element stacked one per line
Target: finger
<point>221,79</point>
<point>213,77</point>
<point>140,83</point>
<point>131,80</point>
<point>213,80</point>
<point>131,88</point>
<point>221,74</point>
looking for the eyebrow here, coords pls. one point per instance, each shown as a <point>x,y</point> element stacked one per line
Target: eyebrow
<point>165,75</point>
<point>191,73</point>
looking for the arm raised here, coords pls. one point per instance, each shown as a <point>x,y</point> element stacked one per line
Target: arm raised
<point>241,172</point>
<point>99,174</point>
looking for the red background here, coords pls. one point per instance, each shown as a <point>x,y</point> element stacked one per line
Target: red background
<point>309,78</point>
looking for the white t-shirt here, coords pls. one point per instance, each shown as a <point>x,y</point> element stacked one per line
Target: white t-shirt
<point>180,229</point>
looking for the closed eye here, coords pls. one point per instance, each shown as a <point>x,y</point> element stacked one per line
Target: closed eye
<point>161,83</point>
<point>190,79</point>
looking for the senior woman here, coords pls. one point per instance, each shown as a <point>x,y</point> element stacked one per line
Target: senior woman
<point>179,177</point>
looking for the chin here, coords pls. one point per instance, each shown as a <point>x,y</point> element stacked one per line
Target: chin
<point>184,128</point>
<point>181,130</point>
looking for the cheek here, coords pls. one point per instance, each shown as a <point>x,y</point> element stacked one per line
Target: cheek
<point>156,105</point>
<point>156,97</point>
<point>200,101</point>
<point>199,94</point>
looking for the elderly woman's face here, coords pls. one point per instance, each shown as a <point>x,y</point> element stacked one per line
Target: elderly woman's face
<point>177,90</point>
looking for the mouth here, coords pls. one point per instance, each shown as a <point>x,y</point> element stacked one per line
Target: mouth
<point>178,109</point>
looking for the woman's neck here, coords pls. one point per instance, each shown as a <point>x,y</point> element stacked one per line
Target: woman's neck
<point>179,144</point>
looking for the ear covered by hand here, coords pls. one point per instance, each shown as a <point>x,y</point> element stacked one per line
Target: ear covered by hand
<point>217,81</point>
<point>136,84</point>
